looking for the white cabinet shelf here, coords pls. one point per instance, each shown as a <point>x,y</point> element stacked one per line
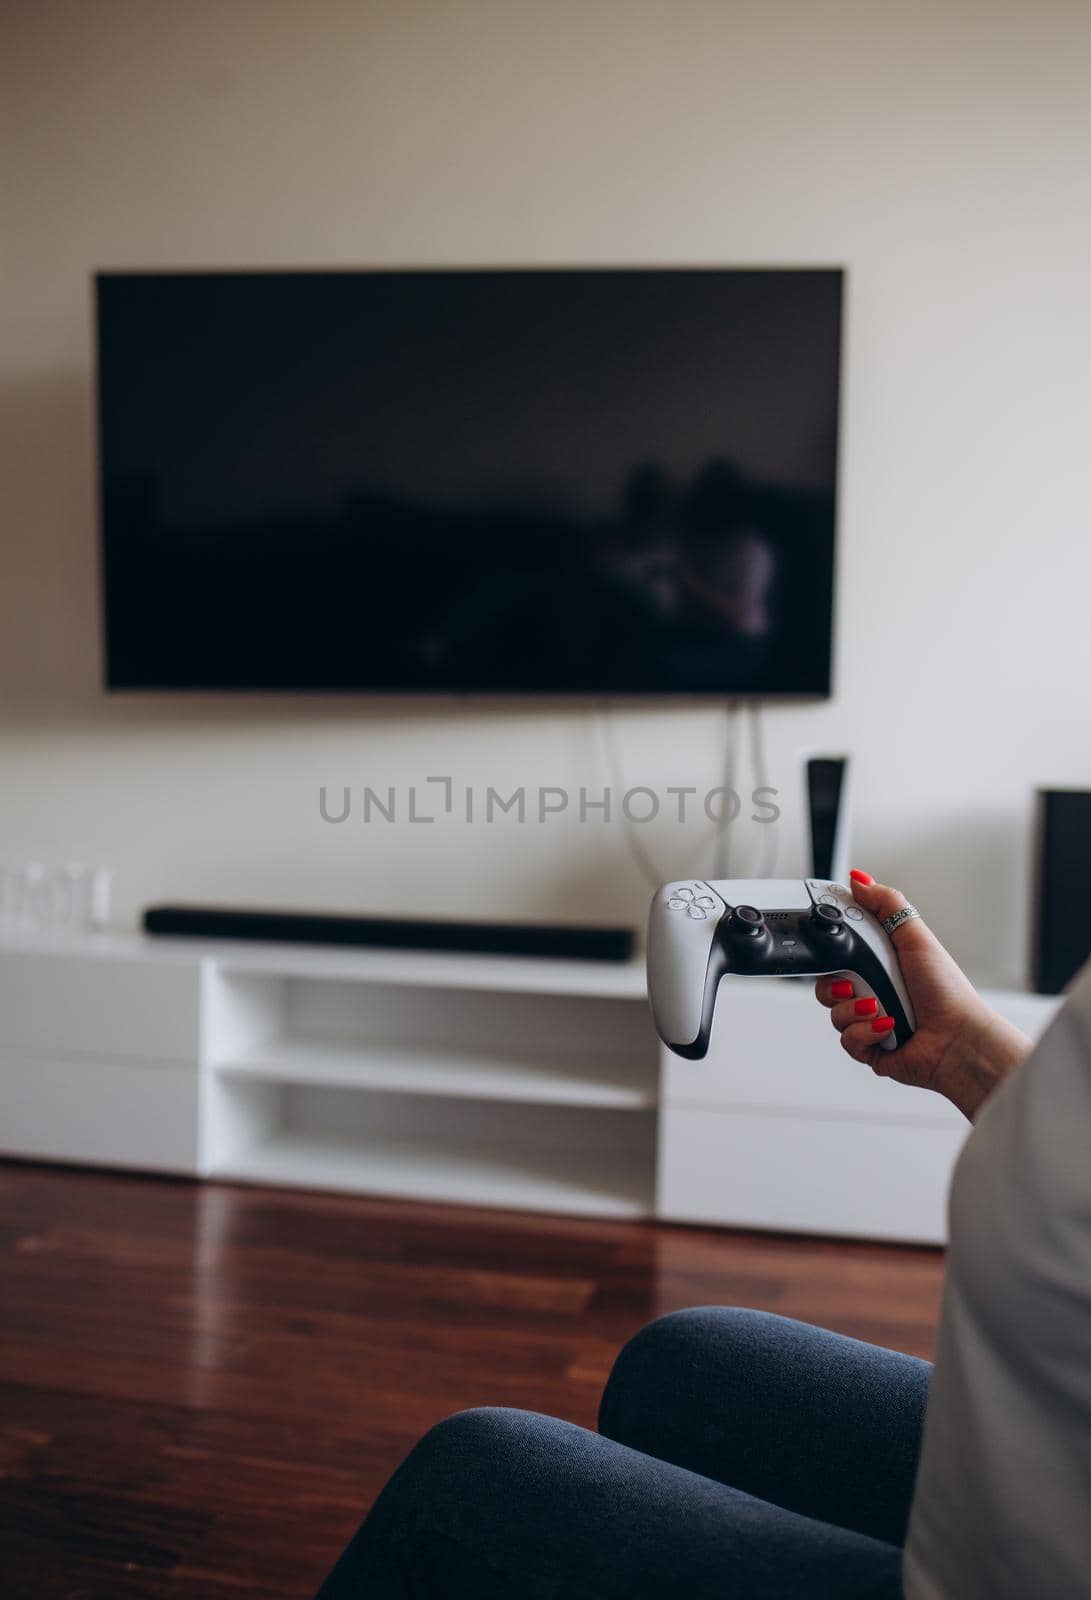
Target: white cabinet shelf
<point>401,1069</point>
<point>600,1186</point>
<point>352,1073</point>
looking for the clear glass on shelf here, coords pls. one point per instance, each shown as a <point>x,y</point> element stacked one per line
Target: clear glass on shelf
<point>101,891</point>
<point>30,896</point>
<point>73,899</point>
<point>35,898</point>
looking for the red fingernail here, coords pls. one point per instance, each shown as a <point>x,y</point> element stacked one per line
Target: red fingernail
<point>842,989</point>
<point>882,1024</point>
<point>866,1007</point>
<point>860,877</point>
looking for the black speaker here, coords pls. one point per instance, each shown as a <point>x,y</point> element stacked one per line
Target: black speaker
<point>393,933</point>
<point>1062,889</point>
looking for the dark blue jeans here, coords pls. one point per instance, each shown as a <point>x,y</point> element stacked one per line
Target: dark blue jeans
<point>740,1455</point>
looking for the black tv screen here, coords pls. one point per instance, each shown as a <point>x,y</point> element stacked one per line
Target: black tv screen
<point>603,481</point>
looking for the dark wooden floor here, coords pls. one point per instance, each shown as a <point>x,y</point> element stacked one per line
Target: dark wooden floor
<point>203,1388</point>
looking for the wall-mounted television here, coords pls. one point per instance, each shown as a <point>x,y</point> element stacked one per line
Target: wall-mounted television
<point>608,482</point>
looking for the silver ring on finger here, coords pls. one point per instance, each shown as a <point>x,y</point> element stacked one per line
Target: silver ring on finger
<point>906,914</point>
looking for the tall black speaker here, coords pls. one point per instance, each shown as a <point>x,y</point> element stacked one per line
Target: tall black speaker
<point>1062,890</point>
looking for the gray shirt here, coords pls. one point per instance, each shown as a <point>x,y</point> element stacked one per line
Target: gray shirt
<point>1002,1509</point>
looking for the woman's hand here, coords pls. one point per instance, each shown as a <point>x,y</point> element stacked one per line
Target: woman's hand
<point>962,1049</point>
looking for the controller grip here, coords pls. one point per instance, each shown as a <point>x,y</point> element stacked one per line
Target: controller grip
<point>696,1049</point>
<point>684,966</point>
<point>893,1004</point>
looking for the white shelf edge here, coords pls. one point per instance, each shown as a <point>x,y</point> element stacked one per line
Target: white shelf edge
<point>943,1121</point>
<point>602,980</point>
<point>465,1177</point>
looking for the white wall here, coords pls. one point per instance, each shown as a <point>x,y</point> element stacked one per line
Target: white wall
<point>938,150</point>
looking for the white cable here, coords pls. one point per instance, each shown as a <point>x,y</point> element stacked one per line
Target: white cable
<point>770,844</point>
<point>608,744</point>
<point>721,859</point>
<point>604,726</point>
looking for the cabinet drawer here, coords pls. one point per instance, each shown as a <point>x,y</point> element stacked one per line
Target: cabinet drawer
<point>106,1006</point>
<point>752,1169</point>
<point>113,1113</point>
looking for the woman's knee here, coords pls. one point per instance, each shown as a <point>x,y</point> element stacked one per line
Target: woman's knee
<point>458,1482</point>
<point>489,1446</point>
<point>672,1355</point>
<point>477,1468</point>
<point>462,1440</point>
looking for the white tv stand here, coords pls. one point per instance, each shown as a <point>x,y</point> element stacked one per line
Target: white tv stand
<point>530,1083</point>
<point>504,1081</point>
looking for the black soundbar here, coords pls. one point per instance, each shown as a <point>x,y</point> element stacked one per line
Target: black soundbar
<point>393,933</point>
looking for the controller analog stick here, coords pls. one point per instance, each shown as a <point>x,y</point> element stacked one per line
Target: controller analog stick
<point>829,918</point>
<point>748,922</point>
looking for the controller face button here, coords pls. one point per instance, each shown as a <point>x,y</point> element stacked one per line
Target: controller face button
<point>697,914</point>
<point>676,904</point>
<point>706,900</point>
<point>685,894</point>
<point>855,913</point>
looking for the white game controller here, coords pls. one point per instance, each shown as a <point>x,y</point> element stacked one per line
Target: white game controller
<point>763,927</point>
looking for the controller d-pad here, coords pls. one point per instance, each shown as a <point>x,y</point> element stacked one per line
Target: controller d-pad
<point>690,900</point>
